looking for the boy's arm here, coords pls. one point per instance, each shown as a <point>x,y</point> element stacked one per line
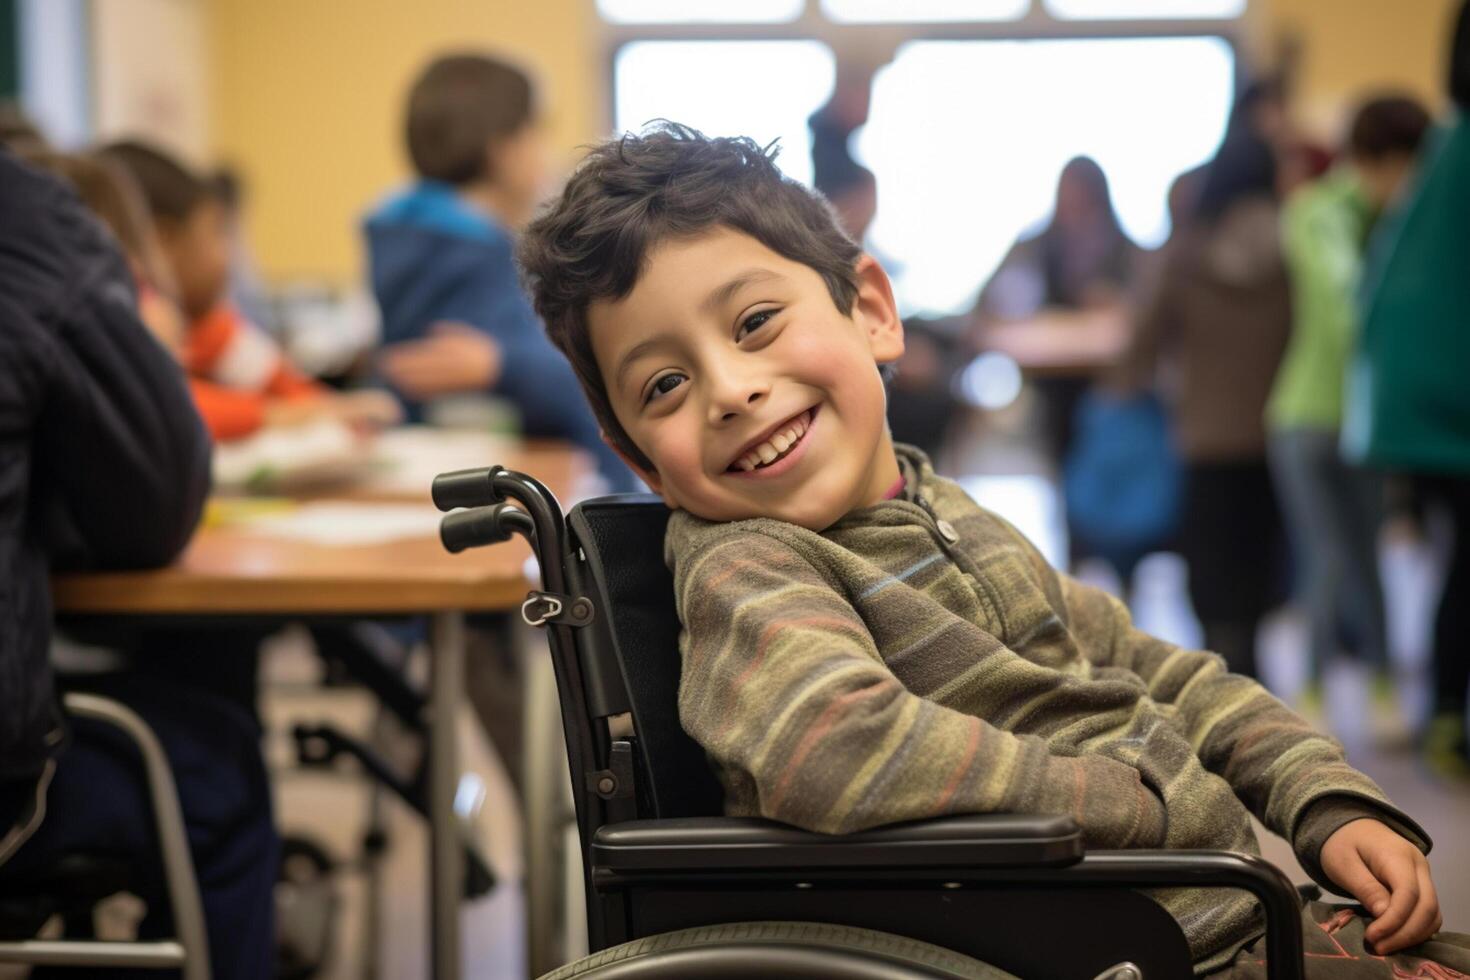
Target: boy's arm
<point>1292,777</point>
<point>783,687</point>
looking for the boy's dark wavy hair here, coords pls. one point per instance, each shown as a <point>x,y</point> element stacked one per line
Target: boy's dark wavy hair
<point>632,193</point>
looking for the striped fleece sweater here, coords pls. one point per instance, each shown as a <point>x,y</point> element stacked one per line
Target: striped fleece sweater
<point>920,658</point>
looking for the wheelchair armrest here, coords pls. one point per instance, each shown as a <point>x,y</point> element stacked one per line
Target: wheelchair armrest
<point>705,844</point>
<point>1000,849</point>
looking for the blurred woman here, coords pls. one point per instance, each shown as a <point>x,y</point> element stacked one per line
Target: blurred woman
<point>1081,260</point>
<point>1219,316</point>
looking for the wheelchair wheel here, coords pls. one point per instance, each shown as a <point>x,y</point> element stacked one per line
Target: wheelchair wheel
<point>791,950</point>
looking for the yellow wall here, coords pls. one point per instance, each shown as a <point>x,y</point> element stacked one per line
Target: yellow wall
<point>307,99</point>
<point>1352,46</point>
<point>307,94</point>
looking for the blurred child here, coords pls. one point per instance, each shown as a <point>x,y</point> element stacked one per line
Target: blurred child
<point>242,380</point>
<point>246,289</point>
<point>1332,508</point>
<point>454,316</point>
<point>1408,407</point>
<point>107,466</point>
<point>113,196</point>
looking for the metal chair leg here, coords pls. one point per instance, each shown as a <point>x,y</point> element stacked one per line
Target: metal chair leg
<point>190,949</point>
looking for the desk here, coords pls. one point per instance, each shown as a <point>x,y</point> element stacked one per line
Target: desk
<point>234,570</point>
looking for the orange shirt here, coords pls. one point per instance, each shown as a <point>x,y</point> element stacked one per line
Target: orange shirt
<point>236,370</point>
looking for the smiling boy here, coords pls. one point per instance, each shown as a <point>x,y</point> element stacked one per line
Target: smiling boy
<point>862,643</point>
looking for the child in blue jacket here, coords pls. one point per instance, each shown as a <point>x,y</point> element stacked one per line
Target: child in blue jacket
<point>454,316</point>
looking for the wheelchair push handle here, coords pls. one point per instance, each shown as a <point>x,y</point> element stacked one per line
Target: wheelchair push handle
<point>484,525</point>
<point>503,502</point>
<point>467,488</point>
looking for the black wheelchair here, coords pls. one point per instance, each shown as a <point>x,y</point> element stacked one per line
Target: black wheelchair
<point>675,889</point>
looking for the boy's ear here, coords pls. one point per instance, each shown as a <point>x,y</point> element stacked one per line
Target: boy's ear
<point>876,312</point>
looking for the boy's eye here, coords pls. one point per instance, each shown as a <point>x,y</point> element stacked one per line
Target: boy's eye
<point>754,322</point>
<point>664,385</point>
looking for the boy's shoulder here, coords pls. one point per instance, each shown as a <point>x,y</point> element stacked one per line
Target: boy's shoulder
<point>688,536</point>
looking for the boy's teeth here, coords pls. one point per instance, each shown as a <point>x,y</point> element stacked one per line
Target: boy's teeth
<point>776,445</point>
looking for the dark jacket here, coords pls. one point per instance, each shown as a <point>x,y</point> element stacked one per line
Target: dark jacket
<point>435,258</point>
<point>103,460</point>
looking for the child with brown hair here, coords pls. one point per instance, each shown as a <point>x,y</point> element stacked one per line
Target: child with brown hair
<point>240,378</point>
<point>863,643</point>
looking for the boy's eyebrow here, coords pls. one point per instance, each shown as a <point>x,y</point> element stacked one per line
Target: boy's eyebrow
<point>637,351</point>
<point>721,294</point>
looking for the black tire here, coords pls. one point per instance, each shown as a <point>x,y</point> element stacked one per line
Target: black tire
<point>789,950</point>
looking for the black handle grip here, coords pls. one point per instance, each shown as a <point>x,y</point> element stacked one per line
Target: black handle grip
<point>465,488</point>
<point>483,525</point>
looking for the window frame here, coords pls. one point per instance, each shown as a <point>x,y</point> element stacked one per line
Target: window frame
<point>1037,24</point>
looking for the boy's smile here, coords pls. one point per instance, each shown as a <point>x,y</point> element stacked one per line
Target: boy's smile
<point>753,395</point>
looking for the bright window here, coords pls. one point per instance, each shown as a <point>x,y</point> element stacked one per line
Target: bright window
<point>967,139</point>
<point>761,89</point>
<point>920,11</point>
<point>1138,9</point>
<point>700,11</point>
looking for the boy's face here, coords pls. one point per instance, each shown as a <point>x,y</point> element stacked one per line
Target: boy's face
<point>198,250</point>
<point>734,372</point>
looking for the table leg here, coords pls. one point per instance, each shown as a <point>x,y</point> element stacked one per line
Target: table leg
<point>446,849</point>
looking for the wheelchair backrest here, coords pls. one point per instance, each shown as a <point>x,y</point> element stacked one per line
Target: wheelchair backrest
<point>622,543</point>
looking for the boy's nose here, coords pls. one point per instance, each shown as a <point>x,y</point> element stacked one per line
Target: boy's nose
<point>750,399</point>
<point>736,399</point>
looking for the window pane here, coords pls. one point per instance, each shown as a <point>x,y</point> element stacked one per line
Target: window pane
<point>1128,9</point>
<point>920,11</point>
<point>761,89</point>
<point>967,139</point>
<point>700,11</point>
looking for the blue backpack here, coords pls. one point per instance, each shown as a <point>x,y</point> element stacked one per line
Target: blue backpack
<point>1121,479</point>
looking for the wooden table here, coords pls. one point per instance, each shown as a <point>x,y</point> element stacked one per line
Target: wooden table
<point>233,569</point>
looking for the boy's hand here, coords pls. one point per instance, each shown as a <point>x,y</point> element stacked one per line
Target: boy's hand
<point>453,357</point>
<point>1390,877</point>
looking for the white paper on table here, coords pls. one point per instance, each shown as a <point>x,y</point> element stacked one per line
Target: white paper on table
<point>316,452</point>
<point>407,458</point>
<point>343,523</point>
